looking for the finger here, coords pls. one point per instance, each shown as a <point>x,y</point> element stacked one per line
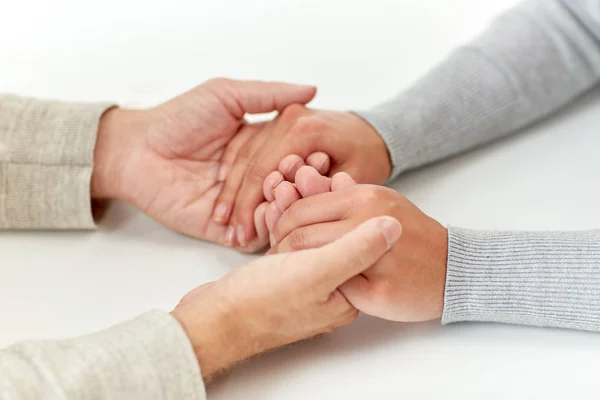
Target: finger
<point>356,290</point>
<point>241,97</point>
<point>235,145</point>
<point>271,217</point>
<point>313,236</point>
<point>290,165</point>
<point>325,207</point>
<point>250,193</point>
<point>285,195</point>
<point>319,161</point>
<point>260,221</point>
<point>235,177</point>
<point>341,181</point>
<point>309,182</point>
<point>335,263</point>
<point>270,183</point>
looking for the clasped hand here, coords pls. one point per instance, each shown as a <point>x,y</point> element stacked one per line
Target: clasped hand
<point>195,165</point>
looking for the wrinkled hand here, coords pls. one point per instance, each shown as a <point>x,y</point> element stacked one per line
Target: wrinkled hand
<point>166,160</point>
<point>353,145</point>
<point>278,300</point>
<point>407,284</point>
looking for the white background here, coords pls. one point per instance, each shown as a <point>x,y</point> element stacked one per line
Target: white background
<point>358,53</point>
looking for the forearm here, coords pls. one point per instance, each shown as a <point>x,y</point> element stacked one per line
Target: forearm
<point>149,357</point>
<point>531,278</point>
<point>533,60</point>
<point>46,163</point>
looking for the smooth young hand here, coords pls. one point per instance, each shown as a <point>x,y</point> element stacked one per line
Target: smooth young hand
<point>407,284</point>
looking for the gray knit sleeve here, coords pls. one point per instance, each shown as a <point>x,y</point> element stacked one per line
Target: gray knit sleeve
<point>533,60</point>
<point>549,279</point>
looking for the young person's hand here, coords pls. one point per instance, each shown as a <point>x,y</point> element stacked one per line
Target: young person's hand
<point>351,143</point>
<point>167,160</point>
<point>407,283</point>
<point>281,299</point>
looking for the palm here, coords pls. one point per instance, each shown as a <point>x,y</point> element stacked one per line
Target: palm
<point>172,163</point>
<point>182,159</point>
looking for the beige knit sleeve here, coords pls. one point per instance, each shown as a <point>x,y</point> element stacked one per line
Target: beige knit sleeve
<point>46,161</point>
<point>149,357</point>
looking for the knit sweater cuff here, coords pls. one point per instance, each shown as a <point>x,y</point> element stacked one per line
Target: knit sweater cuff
<point>149,357</point>
<point>46,162</point>
<point>549,279</point>
<point>432,119</point>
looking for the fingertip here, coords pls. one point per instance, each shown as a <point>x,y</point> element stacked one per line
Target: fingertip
<point>271,216</point>
<point>341,181</point>
<point>230,237</point>
<point>391,229</point>
<point>319,161</point>
<point>309,182</point>
<point>260,221</point>
<point>223,170</point>
<point>290,165</point>
<point>221,213</point>
<point>270,183</point>
<point>285,195</point>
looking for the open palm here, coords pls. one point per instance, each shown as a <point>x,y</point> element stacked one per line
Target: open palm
<point>170,168</point>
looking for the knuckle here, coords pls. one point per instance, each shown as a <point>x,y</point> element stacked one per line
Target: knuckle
<point>292,112</point>
<point>307,125</point>
<point>371,194</point>
<point>218,82</point>
<point>297,240</point>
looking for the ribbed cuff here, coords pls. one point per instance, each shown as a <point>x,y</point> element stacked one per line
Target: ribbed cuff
<point>529,278</point>
<point>46,162</point>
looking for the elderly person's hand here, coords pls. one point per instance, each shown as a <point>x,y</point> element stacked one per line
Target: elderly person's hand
<point>281,299</point>
<point>167,160</point>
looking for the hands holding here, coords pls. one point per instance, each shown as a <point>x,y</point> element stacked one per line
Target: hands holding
<point>298,136</point>
<point>280,299</point>
<point>194,165</point>
<point>167,160</point>
<point>407,283</point>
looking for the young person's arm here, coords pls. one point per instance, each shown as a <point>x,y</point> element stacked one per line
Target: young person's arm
<point>533,60</point>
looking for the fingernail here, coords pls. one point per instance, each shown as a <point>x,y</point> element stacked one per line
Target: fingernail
<point>272,239</point>
<point>391,229</point>
<point>223,172</point>
<point>241,235</point>
<point>277,184</point>
<point>220,212</point>
<point>229,236</point>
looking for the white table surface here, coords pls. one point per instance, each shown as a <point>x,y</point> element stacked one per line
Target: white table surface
<point>358,53</point>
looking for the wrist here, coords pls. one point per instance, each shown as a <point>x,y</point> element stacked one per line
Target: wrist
<point>116,129</point>
<point>217,334</point>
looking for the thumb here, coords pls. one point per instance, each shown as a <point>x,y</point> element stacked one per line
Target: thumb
<point>354,252</point>
<point>260,97</point>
